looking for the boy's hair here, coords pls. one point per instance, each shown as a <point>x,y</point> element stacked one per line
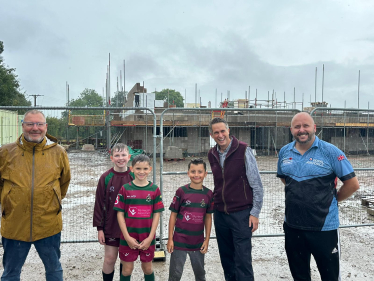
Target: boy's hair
<point>141,158</point>
<point>215,121</point>
<point>197,161</point>
<point>119,147</point>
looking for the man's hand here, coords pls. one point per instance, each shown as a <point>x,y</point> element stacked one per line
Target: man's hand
<point>253,221</point>
<point>170,246</point>
<point>101,237</point>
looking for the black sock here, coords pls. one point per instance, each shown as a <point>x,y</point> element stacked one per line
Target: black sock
<point>108,277</point>
<point>150,277</point>
<point>125,278</point>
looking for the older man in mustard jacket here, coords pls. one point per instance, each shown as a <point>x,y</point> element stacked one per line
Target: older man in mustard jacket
<point>35,176</point>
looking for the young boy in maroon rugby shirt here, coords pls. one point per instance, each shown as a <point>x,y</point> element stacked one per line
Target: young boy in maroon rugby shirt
<point>191,210</point>
<point>104,217</point>
<point>139,206</point>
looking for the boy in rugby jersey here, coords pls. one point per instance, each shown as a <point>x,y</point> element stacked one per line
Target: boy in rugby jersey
<point>191,211</point>
<point>139,206</point>
<point>104,217</point>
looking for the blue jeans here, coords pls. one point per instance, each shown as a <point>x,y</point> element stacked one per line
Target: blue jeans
<point>15,253</point>
<point>234,244</point>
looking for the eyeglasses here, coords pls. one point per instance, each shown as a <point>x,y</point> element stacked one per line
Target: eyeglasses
<point>31,124</point>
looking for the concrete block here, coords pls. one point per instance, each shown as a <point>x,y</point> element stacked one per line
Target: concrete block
<point>88,147</point>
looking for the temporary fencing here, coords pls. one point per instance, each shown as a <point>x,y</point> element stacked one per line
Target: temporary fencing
<point>176,135</point>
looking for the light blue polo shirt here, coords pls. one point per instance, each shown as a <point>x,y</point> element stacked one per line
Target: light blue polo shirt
<point>311,197</point>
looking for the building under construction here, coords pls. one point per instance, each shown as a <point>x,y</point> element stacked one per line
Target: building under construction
<point>264,127</point>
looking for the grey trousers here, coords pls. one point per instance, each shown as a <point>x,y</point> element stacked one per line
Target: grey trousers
<point>177,261</point>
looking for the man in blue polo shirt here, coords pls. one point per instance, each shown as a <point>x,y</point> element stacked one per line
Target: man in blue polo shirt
<point>309,168</point>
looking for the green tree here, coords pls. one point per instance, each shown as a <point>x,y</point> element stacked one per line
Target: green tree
<point>10,94</point>
<point>120,97</point>
<point>57,127</point>
<point>88,98</point>
<point>175,97</point>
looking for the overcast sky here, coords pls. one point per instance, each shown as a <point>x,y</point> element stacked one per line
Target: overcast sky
<point>223,45</point>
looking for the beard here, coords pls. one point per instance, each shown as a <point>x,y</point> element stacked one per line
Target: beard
<point>310,137</point>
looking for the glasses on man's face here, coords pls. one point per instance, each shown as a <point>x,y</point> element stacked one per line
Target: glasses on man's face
<point>31,124</point>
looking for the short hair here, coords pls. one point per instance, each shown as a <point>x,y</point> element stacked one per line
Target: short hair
<point>33,111</point>
<point>302,113</point>
<point>215,121</point>
<point>141,158</point>
<point>197,161</point>
<point>119,147</point>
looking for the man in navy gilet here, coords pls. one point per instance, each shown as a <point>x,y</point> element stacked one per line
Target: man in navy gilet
<point>238,195</point>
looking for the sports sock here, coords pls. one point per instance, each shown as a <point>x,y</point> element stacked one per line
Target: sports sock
<point>120,269</point>
<point>108,277</point>
<point>150,277</point>
<point>125,278</point>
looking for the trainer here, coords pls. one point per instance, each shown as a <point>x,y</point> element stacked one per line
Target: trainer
<point>34,178</point>
<point>309,168</point>
<point>238,195</point>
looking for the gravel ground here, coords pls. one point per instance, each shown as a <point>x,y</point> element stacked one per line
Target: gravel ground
<point>83,261</point>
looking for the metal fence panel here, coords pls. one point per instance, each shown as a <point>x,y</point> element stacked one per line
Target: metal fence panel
<point>266,131</point>
<point>88,165</point>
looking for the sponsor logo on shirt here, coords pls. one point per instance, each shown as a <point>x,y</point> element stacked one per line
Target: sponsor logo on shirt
<point>193,217</point>
<point>132,211</point>
<point>127,254</point>
<point>140,212</point>
<point>174,199</point>
<point>131,196</point>
<point>187,216</point>
<point>287,161</point>
<point>117,199</point>
<point>111,189</point>
<point>188,202</point>
<point>341,157</point>
<point>316,162</point>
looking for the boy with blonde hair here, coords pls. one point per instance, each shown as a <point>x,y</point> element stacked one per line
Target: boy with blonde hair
<point>105,218</point>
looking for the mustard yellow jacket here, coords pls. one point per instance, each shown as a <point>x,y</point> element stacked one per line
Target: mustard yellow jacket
<point>34,178</point>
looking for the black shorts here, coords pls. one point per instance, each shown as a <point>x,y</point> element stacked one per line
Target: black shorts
<point>114,242</point>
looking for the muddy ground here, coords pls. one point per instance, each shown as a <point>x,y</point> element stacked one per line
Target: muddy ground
<point>83,260</point>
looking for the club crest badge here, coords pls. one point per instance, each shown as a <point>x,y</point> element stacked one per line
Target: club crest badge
<point>148,199</point>
<point>202,203</point>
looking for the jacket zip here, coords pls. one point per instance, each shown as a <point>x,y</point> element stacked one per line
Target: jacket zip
<point>32,190</point>
<point>223,186</point>
<point>245,193</point>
